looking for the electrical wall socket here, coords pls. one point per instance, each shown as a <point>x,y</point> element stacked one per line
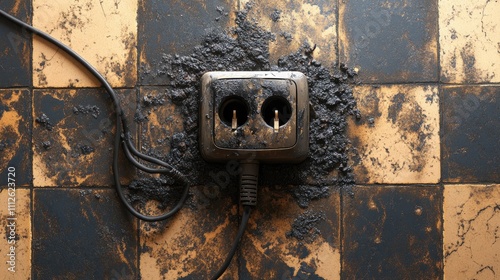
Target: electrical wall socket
<point>257,116</point>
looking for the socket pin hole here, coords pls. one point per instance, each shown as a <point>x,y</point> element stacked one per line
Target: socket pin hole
<point>273,103</point>
<point>231,105</point>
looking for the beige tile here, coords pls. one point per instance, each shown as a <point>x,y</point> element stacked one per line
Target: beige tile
<point>22,232</point>
<point>311,21</point>
<point>397,138</point>
<point>471,231</point>
<point>469,40</point>
<point>103,32</point>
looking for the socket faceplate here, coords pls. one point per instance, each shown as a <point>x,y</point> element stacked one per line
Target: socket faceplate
<point>262,116</point>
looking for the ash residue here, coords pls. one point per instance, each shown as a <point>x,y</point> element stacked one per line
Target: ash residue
<point>304,228</point>
<point>85,149</point>
<point>3,145</point>
<point>46,145</point>
<point>44,121</point>
<point>145,189</point>
<point>275,15</point>
<point>306,194</point>
<point>246,48</point>
<point>287,35</point>
<point>85,110</point>
<point>153,100</point>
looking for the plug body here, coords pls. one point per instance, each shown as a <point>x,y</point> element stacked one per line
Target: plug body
<point>254,116</point>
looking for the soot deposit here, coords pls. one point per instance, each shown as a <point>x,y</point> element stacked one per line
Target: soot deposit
<point>246,48</point>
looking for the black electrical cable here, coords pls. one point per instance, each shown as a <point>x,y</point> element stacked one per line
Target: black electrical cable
<point>121,123</point>
<point>241,230</point>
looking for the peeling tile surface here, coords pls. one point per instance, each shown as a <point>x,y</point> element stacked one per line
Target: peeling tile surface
<point>296,22</point>
<point>193,244</point>
<point>22,234</point>
<point>471,231</point>
<point>392,233</point>
<point>397,138</point>
<point>73,137</point>
<point>390,41</point>
<point>15,141</point>
<point>471,134</point>
<point>15,52</point>
<point>82,234</point>
<point>284,241</point>
<point>470,41</point>
<point>103,32</point>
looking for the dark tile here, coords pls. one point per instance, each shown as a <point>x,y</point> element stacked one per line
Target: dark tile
<point>73,137</point>
<point>284,241</point>
<point>15,135</point>
<point>15,45</point>
<point>470,134</point>
<point>392,233</point>
<point>175,27</point>
<point>390,41</point>
<point>82,234</point>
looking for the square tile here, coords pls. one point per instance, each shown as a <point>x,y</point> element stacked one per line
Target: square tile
<point>103,32</point>
<point>469,38</point>
<point>82,234</point>
<point>471,134</point>
<point>176,27</point>
<point>296,22</point>
<point>192,244</point>
<point>390,41</point>
<point>15,45</point>
<point>15,232</point>
<point>392,233</point>
<point>396,141</point>
<point>15,135</point>
<point>471,231</point>
<point>73,137</point>
<point>283,241</point>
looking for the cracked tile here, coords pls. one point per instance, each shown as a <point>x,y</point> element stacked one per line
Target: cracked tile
<point>103,32</point>
<point>390,41</point>
<point>193,243</point>
<point>176,27</point>
<point>284,241</point>
<point>471,135</point>
<point>469,41</point>
<point>22,233</point>
<point>82,234</point>
<point>73,134</point>
<point>392,232</point>
<point>397,138</point>
<point>296,22</point>
<point>15,46</point>
<point>471,231</point>
<point>15,135</point>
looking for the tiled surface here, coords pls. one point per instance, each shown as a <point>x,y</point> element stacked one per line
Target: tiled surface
<point>397,138</point>
<point>392,233</point>
<point>71,144</point>
<point>102,249</point>
<point>15,142</point>
<point>297,22</point>
<point>284,241</point>
<point>424,124</point>
<point>15,46</point>
<point>16,234</point>
<point>470,41</point>
<point>471,231</point>
<point>390,41</point>
<point>103,32</point>
<point>471,134</point>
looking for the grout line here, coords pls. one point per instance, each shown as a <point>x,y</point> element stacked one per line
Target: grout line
<point>441,190</point>
<point>341,241</point>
